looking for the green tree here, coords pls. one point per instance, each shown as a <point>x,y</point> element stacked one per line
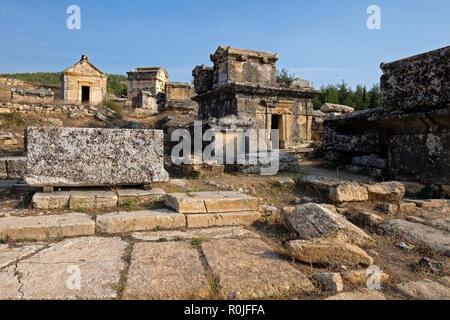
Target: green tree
<point>283,76</point>
<point>374,97</point>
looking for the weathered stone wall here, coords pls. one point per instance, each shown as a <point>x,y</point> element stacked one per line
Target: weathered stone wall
<point>93,157</point>
<point>421,157</point>
<point>203,78</point>
<point>32,96</point>
<point>179,91</point>
<point>146,100</point>
<point>421,82</point>
<point>47,108</point>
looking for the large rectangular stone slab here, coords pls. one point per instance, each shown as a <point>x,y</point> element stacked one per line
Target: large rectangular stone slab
<point>122,222</point>
<point>419,82</point>
<point>250,269</point>
<point>53,272</point>
<point>94,156</point>
<point>430,237</point>
<point>46,227</point>
<point>211,202</point>
<point>242,218</point>
<point>166,270</point>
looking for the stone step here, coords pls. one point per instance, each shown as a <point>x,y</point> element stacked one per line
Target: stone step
<point>46,227</point>
<point>93,199</point>
<point>211,202</point>
<point>146,220</point>
<point>241,218</point>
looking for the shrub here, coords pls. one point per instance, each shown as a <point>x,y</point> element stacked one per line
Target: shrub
<point>114,106</point>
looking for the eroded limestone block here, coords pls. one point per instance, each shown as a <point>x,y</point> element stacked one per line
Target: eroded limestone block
<point>328,252</point>
<point>311,221</point>
<point>244,218</point>
<point>45,227</point>
<point>94,156</point>
<point>122,222</point>
<point>386,191</point>
<point>56,200</point>
<point>331,282</point>
<point>424,290</point>
<point>141,196</point>
<point>333,107</point>
<point>349,192</point>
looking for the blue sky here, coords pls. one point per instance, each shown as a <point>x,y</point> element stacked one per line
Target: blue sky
<point>324,41</point>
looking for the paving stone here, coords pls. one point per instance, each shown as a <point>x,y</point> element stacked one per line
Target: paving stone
<point>424,290</point>
<point>211,202</point>
<point>9,284</point>
<point>312,221</point>
<point>56,200</point>
<point>9,254</point>
<point>209,233</point>
<point>363,294</point>
<point>430,237</point>
<point>45,227</point>
<point>145,220</point>
<point>245,218</point>
<point>250,269</point>
<point>331,252</point>
<point>141,196</point>
<point>47,274</point>
<point>92,200</point>
<point>166,270</point>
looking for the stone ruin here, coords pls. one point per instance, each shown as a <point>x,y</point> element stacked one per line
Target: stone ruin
<point>410,136</point>
<point>150,91</point>
<point>243,83</point>
<point>79,157</point>
<point>84,83</point>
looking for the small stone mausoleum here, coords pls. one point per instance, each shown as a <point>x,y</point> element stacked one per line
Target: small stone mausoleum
<point>84,83</point>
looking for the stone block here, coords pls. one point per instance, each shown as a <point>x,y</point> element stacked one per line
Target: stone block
<point>311,221</point>
<point>333,253</point>
<point>386,191</point>
<point>419,82</point>
<point>46,227</point>
<point>123,222</point>
<point>57,200</point>
<point>348,192</point>
<point>331,282</point>
<point>94,156</point>
<point>222,219</point>
<point>90,200</point>
<point>211,202</point>
<point>141,196</point>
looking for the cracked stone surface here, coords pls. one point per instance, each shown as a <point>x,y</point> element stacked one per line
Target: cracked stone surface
<point>10,254</point>
<point>210,233</point>
<point>168,270</point>
<point>266,274</point>
<point>50,273</point>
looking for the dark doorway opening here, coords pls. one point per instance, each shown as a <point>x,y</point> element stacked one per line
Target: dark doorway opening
<point>275,136</point>
<point>85,94</point>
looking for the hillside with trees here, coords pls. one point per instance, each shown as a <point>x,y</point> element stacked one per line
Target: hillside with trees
<point>117,83</point>
<point>360,98</point>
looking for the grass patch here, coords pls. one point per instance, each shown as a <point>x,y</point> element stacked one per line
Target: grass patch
<point>128,205</point>
<point>197,242</point>
<point>12,119</point>
<point>114,106</point>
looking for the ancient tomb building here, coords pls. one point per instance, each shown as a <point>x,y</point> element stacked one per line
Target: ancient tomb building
<point>150,79</point>
<point>243,83</point>
<point>84,83</point>
<point>410,135</point>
